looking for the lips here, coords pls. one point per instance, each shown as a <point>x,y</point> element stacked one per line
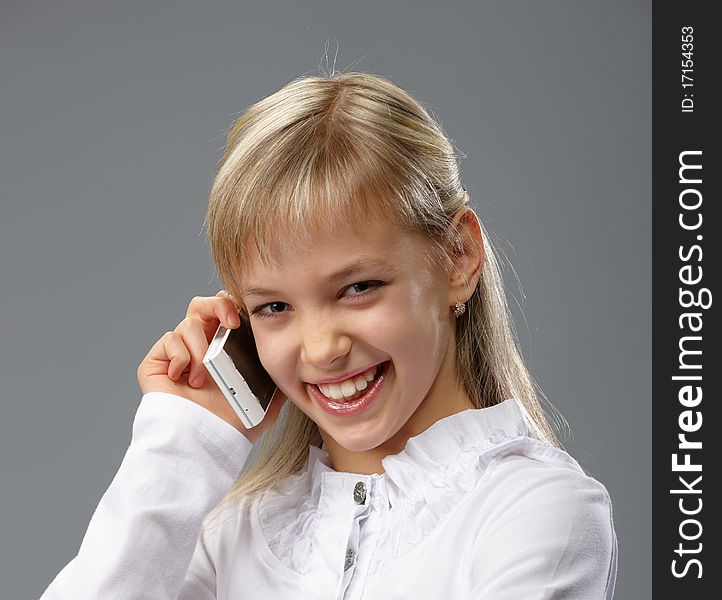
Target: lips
<point>349,389</point>
<point>353,406</point>
<point>337,380</point>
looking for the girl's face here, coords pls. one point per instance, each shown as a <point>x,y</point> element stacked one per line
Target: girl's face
<point>352,300</point>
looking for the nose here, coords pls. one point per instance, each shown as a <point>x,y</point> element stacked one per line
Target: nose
<point>323,342</point>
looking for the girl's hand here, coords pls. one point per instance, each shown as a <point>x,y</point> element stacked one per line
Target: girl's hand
<point>175,363</point>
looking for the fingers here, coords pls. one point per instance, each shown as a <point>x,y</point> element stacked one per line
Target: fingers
<point>225,294</point>
<point>184,348</point>
<point>214,309</point>
<point>193,337</point>
<point>197,329</point>
<point>176,352</point>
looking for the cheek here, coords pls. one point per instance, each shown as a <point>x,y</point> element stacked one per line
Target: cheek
<point>271,355</point>
<point>411,323</point>
<point>281,368</point>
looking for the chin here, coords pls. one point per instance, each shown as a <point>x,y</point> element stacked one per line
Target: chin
<point>359,445</point>
<point>357,438</point>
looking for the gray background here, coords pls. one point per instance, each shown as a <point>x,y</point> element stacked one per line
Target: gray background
<point>112,122</point>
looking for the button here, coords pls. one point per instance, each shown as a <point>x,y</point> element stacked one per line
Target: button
<point>350,555</point>
<point>359,493</point>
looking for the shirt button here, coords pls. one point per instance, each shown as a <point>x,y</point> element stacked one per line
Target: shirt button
<point>359,493</point>
<point>350,555</point>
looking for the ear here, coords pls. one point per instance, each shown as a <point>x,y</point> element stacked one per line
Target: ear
<point>468,257</point>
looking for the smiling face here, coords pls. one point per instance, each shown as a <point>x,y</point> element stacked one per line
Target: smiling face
<point>394,308</point>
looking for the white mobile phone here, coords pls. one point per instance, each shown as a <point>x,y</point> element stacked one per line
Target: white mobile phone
<point>233,362</point>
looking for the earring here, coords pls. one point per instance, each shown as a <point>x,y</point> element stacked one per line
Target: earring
<point>460,309</point>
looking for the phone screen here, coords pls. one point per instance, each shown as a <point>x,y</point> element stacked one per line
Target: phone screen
<point>241,348</point>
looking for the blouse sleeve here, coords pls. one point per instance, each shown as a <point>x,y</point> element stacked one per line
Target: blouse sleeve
<point>145,531</point>
<point>552,537</point>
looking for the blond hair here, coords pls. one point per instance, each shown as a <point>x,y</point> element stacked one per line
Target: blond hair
<point>338,150</point>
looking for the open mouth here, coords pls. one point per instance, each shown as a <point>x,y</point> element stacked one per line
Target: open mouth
<point>354,388</point>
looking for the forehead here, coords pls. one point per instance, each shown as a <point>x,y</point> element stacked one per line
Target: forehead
<point>332,253</point>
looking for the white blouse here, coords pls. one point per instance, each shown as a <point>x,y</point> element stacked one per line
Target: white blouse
<point>473,507</point>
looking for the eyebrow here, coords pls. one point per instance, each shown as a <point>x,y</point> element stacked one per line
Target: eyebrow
<point>364,262</point>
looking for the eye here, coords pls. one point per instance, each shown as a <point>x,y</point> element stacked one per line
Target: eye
<point>258,311</point>
<point>367,287</point>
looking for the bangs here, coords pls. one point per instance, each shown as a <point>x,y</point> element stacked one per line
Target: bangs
<point>300,199</point>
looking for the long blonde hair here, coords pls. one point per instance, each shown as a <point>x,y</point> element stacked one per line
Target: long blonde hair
<point>330,151</point>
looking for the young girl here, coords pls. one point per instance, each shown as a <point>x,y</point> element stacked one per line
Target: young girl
<point>405,453</point>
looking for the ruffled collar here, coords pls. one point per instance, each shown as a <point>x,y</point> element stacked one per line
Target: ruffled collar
<point>469,432</point>
<point>420,485</point>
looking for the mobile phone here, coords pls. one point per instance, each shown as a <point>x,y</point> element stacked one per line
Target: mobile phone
<point>233,362</point>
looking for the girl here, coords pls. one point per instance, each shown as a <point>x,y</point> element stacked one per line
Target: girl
<point>405,453</point>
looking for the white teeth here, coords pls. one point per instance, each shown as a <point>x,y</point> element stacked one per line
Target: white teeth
<point>349,388</point>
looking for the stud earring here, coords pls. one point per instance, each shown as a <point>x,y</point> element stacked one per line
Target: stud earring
<point>460,309</point>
